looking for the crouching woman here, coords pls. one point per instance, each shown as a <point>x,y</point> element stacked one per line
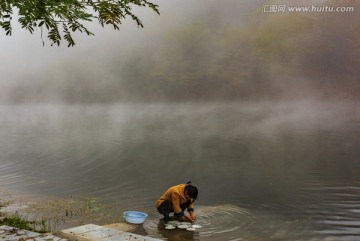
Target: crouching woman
<point>176,199</point>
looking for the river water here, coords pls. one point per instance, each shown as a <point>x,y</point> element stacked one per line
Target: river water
<point>265,171</point>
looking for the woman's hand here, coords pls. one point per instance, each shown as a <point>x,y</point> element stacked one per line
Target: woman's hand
<point>188,218</point>
<point>192,216</point>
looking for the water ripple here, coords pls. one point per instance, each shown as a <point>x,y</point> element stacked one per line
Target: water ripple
<point>223,222</point>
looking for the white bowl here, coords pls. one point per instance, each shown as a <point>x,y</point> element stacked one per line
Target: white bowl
<point>134,217</point>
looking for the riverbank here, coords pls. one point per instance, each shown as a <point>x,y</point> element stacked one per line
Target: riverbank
<point>50,214</point>
<point>14,227</point>
<point>9,233</point>
<point>89,232</point>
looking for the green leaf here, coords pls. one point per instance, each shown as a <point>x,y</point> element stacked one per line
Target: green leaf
<point>33,14</point>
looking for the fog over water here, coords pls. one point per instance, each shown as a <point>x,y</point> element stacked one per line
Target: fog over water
<point>195,50</point>
<point>259,110</point>
<point>280,171</point>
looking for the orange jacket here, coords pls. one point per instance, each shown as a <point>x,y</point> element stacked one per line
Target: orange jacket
<point>176,195</point>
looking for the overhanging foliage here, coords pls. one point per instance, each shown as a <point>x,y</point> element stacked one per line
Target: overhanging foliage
<point>60,18</point>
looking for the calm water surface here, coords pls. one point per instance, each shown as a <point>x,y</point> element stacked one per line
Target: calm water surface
<point>265,171</point>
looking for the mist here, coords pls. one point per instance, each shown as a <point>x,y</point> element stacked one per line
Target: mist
<point>194,51</point>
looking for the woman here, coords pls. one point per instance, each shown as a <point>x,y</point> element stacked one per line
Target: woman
<point>176,199</point>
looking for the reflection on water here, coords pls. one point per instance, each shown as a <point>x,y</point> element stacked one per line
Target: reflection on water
<point>218,222</point>
<point>265,171</point>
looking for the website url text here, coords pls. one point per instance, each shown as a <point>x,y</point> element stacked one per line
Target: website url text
<point>275,8</point>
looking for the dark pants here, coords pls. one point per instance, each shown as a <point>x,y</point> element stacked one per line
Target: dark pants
<point>166,207</point>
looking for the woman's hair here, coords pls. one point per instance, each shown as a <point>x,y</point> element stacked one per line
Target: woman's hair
<point>192,191</point>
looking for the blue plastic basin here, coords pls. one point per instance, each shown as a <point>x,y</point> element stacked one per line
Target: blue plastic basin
<point>134,217</point>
